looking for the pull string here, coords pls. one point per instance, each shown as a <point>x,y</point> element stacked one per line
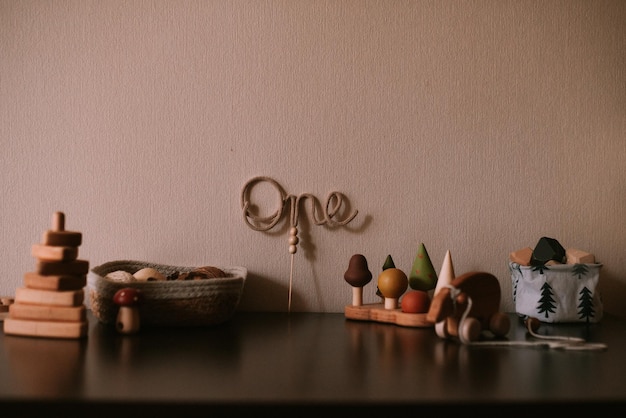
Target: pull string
<point>553,342</point>
<point>334,203</point>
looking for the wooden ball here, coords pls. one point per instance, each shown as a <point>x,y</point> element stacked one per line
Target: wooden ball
<point>500,324</point>
<point>392,283</point>
<point>415,301</point>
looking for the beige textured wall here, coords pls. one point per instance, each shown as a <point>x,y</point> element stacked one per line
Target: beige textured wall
<point>470,126</point>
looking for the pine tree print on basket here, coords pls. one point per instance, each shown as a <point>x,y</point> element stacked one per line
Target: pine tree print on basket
<point>546,302</point>
<point>516,273</point>
<point>586,310</point>
<point>580,270</point>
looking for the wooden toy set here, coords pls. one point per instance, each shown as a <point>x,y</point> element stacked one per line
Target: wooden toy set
<point>460,308</point>
<point>406,299</point>
<point>466,308</point>
<point>51,302</point>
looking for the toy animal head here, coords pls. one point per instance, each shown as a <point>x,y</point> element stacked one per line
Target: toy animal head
<point>482,288</point>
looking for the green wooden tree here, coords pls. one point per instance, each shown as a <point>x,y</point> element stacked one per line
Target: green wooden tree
<point>423,275</point>
<point>546,301</point>
<point>388,264</point>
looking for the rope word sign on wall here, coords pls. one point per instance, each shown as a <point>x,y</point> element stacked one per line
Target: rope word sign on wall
<point>329,214</point>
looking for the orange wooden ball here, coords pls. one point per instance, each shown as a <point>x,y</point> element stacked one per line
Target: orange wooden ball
<point>415,301</point>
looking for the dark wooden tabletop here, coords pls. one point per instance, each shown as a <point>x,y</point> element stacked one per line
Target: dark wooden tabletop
<point>286,362</point>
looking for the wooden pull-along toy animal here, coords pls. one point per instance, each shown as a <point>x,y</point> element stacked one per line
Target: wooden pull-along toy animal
<point>467,306</point>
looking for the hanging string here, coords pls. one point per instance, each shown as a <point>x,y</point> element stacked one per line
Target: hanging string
<point>329,212</point>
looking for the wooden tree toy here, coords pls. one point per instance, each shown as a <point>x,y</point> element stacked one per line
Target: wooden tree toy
<point>422,275</point>
<point>391,285</point>
<point>446,274</point>
<point>51,302</point>
<point>386,265</point>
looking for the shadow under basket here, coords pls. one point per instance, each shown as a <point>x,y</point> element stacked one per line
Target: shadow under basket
<point>171,302</point>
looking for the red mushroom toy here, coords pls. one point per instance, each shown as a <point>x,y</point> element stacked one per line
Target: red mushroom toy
<point>128,300</point>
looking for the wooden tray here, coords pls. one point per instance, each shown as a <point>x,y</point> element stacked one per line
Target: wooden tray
<point>377,312</point>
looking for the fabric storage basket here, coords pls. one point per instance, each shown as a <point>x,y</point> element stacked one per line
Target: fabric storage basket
<point>557,293</point>
<point>171,302</point>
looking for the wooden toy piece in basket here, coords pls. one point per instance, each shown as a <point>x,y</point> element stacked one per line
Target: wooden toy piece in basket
<point>172,298</point>
<point>468,306</point>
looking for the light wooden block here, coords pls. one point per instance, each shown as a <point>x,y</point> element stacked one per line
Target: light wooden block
<point>48,313</point>
<point>49,329</point>
<point>64,282</point>
<point>575,256</point>
<point>522,256</point>
<point>60,268</point>
<point>49,297</point>
<point>54,253</point>
<point>62,238</point>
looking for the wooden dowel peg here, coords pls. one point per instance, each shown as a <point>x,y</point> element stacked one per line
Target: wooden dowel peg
<point>58,236</point>
<point>58,221</point>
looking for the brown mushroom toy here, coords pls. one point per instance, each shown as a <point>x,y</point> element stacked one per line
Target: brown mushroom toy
<point>128,320</point>
<point>357,275</point>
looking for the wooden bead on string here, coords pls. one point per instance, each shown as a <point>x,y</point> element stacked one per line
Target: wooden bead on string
<point>293,240</point>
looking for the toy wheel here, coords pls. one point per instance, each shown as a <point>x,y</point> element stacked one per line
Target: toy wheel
<point>441,329</point>
<point>500,324</point>
<point>470,330</point>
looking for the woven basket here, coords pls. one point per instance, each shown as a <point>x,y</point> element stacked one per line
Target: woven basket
<point>168,303</point>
